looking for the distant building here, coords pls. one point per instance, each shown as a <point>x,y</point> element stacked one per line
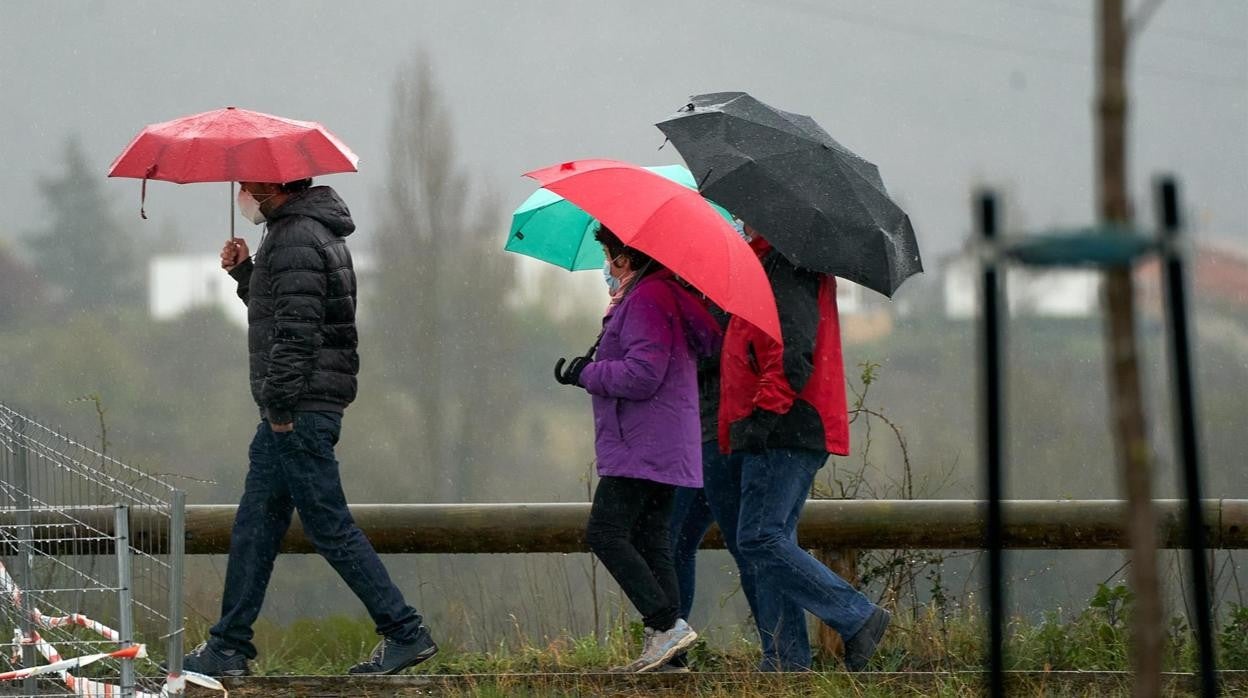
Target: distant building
<point>179,283</point>
<point>865,315</point>
<point>1071,293</point>
<point>1217,272</point>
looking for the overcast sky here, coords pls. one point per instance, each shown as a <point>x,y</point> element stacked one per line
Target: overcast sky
<point>942,95</point>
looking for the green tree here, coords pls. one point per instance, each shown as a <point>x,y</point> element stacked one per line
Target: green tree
<point>444,282</point>
<point>19,287</point>
<point>82,250</point>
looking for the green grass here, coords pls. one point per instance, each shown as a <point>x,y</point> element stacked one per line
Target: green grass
<point>923,640</point>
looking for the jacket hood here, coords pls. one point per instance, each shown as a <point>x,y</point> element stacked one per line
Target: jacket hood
<point>321,203</point>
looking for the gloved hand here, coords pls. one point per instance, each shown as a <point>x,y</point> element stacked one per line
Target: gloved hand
<point>750,434</point>
<point>572,374</point>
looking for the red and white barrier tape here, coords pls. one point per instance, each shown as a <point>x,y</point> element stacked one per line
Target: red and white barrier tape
<point>86,688</point>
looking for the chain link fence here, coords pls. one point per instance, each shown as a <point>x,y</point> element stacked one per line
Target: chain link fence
<point>85,608</point>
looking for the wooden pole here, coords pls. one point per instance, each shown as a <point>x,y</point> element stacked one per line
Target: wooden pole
<point>1126,401</point>
<point>827,524</point>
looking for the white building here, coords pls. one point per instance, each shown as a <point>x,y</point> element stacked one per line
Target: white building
<point>183,282</point>
<point>1029,292</point>
<point>179,283</point>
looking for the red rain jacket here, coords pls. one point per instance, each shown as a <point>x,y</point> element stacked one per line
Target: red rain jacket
<point>791,396</point>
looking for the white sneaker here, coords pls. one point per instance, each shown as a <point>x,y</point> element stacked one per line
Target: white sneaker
<point>635,665</point>
<point>665,645</point>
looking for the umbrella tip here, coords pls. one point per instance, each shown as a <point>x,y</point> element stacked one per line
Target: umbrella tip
<point>567,166</point>
<point>230,108</point>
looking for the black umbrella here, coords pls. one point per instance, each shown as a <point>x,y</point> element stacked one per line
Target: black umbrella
<point>821,206</point>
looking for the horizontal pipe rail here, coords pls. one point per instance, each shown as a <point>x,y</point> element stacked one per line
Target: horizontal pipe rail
<point>560,527</point>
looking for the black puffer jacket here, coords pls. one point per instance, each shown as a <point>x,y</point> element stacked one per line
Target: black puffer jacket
<point>300,296</point>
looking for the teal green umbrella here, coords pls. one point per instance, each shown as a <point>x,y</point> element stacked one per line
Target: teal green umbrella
<point>551,228</point>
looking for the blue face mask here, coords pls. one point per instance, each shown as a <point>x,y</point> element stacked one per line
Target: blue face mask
<point>613,284</point>
<point>740,226</point>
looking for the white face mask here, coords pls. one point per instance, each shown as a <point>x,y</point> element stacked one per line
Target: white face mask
<point>249,207</point>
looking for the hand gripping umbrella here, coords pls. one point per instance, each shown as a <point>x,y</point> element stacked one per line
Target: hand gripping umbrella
<point>820,205</point>
<point>675,226</point>
<point>232,145</point>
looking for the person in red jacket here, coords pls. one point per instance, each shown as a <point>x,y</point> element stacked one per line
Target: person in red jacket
<point>782,413</point>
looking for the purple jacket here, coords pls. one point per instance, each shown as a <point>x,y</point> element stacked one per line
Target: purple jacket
<point>645,386</point>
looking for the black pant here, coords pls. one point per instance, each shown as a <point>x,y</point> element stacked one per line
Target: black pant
<point>630,531</point>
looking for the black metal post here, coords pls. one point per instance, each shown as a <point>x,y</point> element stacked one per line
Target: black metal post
<point>1186,437</point>
<point>992,433</point>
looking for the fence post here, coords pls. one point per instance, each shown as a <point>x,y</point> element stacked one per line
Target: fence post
<point>25,550</point>
<point>1186,433</point>
<point>125,594</point>
<point>177,558</point>
<point>993,435</point>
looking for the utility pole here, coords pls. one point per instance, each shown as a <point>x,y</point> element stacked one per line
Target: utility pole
<point>1125,394</point>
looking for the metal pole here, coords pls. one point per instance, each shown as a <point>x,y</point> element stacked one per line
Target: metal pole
<point>231,211</point>
<point>993,439</point>
<point>1186,436</point>
<point>26,550</point>
<point>125,594</point>
<point>177,556</point>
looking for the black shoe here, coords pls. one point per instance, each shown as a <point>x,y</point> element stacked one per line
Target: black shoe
<point>214,662</point>
<point>860,647</point>
<point>391,656</point>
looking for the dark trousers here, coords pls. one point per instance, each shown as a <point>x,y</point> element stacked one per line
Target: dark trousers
<point>297,471</point>
<point>774,488</point>
<point>629,532</point>
<point>781,621</point>
<point>691,519</point>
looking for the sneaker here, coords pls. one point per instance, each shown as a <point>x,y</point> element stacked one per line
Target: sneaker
<point>217,663</point>
<point>666,644</point>
<point>860,647</point>
<point>635,665</point>
<point>676,665</point>
<point>391,656</point>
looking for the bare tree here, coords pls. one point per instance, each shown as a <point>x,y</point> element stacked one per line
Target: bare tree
<point>446,331</point>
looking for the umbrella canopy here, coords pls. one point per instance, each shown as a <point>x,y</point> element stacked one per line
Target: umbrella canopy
<point>551,228</point>
<point>820,205</point>
<point>674,225</point>
<point>233,145</point>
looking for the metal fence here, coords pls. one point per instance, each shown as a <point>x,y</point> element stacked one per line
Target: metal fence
<point>84,605</point>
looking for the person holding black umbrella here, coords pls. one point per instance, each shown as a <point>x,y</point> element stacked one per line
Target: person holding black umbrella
<point>783,408</point>
<point>782,413</point>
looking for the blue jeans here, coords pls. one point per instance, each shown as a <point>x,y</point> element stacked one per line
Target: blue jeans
<point>781,622</point>
<point>297,471</point>
<point>774,487</point>
<point>691,519</point>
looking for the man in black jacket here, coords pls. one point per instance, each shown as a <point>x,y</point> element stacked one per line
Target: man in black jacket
<point>300,296</point>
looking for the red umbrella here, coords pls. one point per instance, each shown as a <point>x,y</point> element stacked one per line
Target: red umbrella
<point>676,226</point>
<point>233,145</point>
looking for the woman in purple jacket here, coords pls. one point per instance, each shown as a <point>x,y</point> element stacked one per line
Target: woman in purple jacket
<point>647,435</point>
